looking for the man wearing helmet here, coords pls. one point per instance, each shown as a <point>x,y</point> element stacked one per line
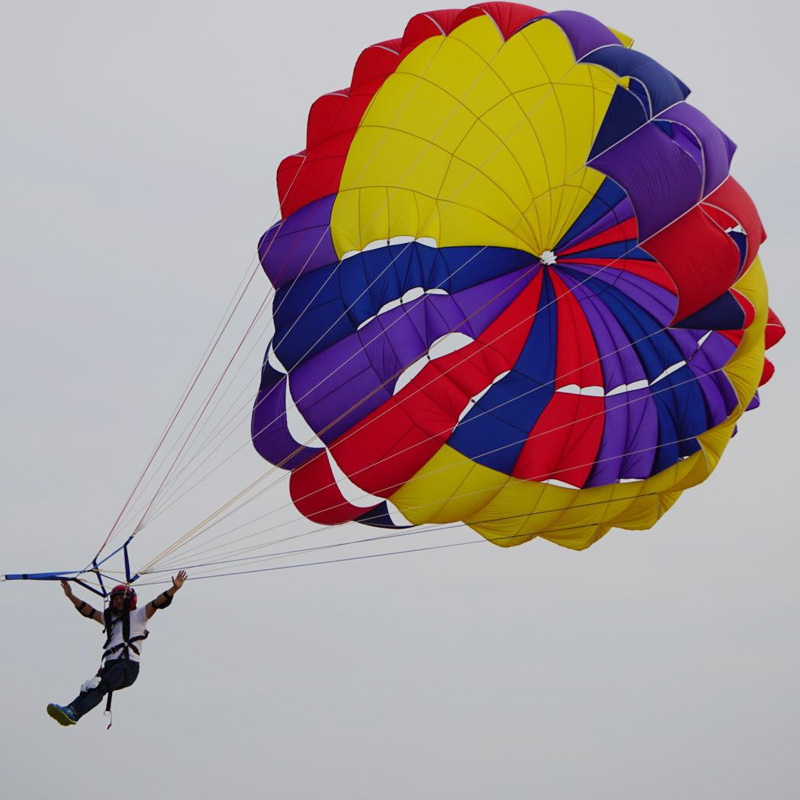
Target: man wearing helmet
<point>125,627</point>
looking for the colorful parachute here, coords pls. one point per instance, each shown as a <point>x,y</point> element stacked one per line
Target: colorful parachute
<point>516,286</point>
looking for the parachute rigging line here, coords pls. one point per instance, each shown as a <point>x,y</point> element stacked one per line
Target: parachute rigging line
<point>252,270</point>
<point>415,531</point>
<point>195,530</point>
<point>467,319</point>
<point>327,562</point>
<point>487,67</point>
<point>215,339</point>
<point>483,345</point>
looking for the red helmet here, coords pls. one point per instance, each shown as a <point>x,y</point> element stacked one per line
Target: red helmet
<point>127,591</point>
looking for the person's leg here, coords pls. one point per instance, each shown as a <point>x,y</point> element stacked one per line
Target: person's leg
<point>112,677</point>
<point>115,675</point>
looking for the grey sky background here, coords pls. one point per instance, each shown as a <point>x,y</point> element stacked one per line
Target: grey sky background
<point>140,147</point>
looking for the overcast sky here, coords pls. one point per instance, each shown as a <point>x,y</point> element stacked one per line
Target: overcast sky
<point>140,142</point>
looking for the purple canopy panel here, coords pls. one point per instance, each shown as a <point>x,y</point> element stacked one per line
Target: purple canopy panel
<point>269,425</point>
<point>660,181</point>
<point>300,243</point>
<point>717,148</point>
<point>630,438</point>
<point>584,32</point>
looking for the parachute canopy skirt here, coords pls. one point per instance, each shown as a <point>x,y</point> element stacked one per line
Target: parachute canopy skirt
<point>516,286</point>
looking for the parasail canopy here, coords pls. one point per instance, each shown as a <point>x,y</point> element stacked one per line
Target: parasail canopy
<point>515,285</point>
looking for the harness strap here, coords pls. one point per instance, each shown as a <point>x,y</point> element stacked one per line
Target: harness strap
<point>127,645</point>
<point>107,712</point>
<point>109,697</point>
<point>126,619</point>
<point>127,639</point>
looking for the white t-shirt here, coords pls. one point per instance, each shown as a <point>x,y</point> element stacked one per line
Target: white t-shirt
<point>139,621</point>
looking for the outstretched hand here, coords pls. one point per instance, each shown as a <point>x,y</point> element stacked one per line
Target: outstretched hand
<point>67,589</point>
<point>178,580</point>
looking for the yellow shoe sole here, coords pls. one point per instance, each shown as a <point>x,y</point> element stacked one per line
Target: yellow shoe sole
<point>59,715</point>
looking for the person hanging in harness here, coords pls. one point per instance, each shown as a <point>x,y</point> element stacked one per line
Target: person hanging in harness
<point>125,626</point>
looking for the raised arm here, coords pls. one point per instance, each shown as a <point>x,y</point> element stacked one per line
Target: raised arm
<point>84,609</point>
<point>165,598</point>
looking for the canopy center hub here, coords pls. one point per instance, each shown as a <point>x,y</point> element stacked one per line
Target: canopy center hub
<point>548,257</point>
